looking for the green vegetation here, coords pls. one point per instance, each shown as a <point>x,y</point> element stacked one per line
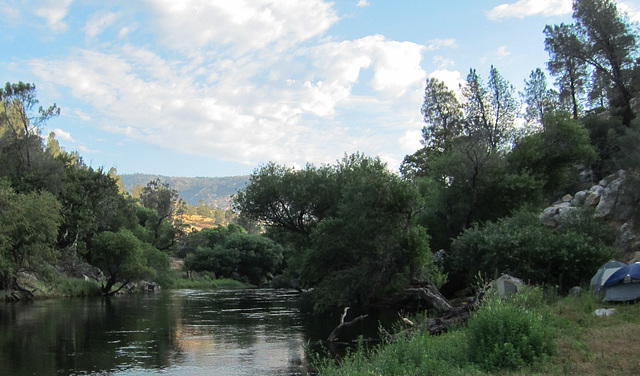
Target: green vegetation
<point>356,233</point>
<point>523,335</point>
<point>60,217</point>
<point>206,282</point>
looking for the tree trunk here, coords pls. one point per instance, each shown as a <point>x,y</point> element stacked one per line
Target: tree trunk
<point>343,324</point>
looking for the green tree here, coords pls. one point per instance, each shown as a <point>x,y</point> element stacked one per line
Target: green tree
<point>18,115</point>
<point>234,254</point>
<point>610,46</point>
<point>571,72</point>
<point>28,229</point>
<point>491,110</point>
<point>347,228</point>
<point>554,156</point>
<point>539,100</point>
<point>443,115</point>
<point>121,257</point>
<point>603,40</point>
<point>166,203</point>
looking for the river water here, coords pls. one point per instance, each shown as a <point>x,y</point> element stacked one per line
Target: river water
<point>177,332</point>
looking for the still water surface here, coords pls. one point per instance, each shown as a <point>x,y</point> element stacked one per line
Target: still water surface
<point>178,332</point>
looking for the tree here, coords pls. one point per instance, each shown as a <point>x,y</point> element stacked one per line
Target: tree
<point>166,203</point>
<point>554,156</point>
<point>121,256</point>
<point>520,245</point>
<point>28,229</point>
<point>539,100</point>
<point>347,227</point>
<point>442,113</point>
<point>289,199</point>
<point>610,46</point>
<point>18,103</point>
<point>602,39</point>
<point>564,47</point>
<point>249,258</point>
<point>490,111</point>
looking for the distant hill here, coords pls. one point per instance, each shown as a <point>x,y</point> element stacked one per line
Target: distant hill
<point>215,192</point>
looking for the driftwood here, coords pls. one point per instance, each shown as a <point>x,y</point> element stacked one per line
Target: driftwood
<point>343,324</point>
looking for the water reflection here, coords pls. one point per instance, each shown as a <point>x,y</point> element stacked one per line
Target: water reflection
<point>182,332</point>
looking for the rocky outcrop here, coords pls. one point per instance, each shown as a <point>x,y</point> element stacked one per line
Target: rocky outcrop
<point>614,199</point>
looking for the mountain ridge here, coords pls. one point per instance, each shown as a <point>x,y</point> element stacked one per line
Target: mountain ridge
<point>215,192</point>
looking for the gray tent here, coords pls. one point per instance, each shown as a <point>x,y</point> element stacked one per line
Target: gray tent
<point>605,271</point>
<point>619,282</point>
<point>507,285</point>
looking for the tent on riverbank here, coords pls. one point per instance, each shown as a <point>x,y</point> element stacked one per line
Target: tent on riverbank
<point>618,281</point>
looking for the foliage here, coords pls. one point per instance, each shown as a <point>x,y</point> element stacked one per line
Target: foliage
<point>205,282</point>
<point>504,335</point>
<point>605,42</point>
<point>555,155</point>
<point>347,229</point>
<point>539,100</point>
<point>238,255</point>
<point>121,257</point>
<point>165,204</point>
<point>521,246</point>
<point>28,229</point>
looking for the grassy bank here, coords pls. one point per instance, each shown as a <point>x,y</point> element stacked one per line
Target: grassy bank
<point>207,283</point>
<point>522,336</point>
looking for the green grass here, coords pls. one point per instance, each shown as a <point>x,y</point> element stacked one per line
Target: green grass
<point>77,287</point>
<point>207,283</point>
<point>562,337</point>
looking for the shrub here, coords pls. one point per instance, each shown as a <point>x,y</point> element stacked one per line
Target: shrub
<point>502,334</point>
<point>521,246</point>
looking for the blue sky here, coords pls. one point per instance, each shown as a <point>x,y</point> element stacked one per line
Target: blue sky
<point>219,87</point>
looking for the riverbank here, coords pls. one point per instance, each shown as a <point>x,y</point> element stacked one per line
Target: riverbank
<point>576,342</point>
<point>66,287</point>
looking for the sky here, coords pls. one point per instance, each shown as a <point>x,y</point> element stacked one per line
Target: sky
<point>221,87</point>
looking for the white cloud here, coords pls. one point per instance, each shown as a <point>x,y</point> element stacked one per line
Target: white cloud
<point>632,13</point>
<point>238,113</point>
<point>241,25</point>
<point>54,12</point>
<point>63,135</point>
<point>437,44</point>
<point>10,14</point>
<point>443,62</point>
<point>453,80</point>
<point>526,8</point>
<point>126,30</point>
<point>362,3</point>
<point>502,52</point>
<point>99,22</point>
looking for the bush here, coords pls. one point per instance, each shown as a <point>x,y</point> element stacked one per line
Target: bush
<point>521,246</point>
<point>78,287</point>
<point>502,334</point>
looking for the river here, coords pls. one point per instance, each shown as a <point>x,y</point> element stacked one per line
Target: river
<point>177,332</point>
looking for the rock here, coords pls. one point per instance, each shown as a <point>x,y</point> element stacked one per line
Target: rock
<point>547,217</point>
<point>579,199</point>
<point>567,198</point>
<point>575,291</point>
<point>597,189</point>
<point>604,312</point>
<point>608,199</point>
<point>563,213</point>
<point>592,199</point>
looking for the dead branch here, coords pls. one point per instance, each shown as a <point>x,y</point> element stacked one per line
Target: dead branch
<point>343,324</point>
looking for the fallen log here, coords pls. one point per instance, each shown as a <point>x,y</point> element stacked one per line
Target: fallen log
<point>343,324</point>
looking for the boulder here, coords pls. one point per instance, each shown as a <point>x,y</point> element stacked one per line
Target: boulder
<point>547,217</point>
<point>608,199</point>
<point>579,199</point>
<point>575,291</point>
